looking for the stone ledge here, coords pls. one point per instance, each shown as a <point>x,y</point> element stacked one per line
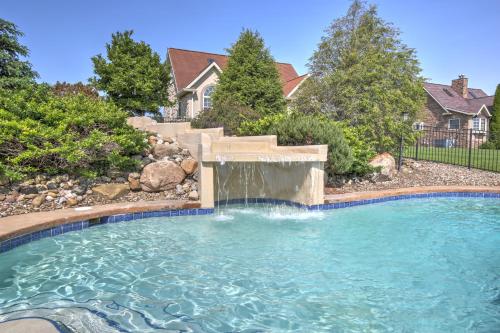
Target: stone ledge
<point>356,196</point>
<point>13,226</point>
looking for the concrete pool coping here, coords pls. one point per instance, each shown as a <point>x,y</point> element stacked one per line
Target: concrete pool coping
<point>17,225</point>
<point>368,195</point>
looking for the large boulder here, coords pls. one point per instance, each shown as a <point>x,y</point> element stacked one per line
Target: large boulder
<point>386,163</point>
<point>161,176</point>
<point>112,191</point>
<point>189,165</point>
<point>161,151</point>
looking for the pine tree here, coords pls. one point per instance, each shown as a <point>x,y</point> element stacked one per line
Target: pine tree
<point>251,78</point>
<point>132,75</point>
<point>362,74</point>
<point>495,119</point>
<point>14,72</point>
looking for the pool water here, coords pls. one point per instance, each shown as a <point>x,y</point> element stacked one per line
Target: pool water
<point>423,265</point>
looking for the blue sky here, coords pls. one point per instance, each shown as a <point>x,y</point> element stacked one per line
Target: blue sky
<point>451,37</point>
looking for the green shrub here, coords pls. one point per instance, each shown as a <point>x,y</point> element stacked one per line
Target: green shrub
<point>361,150</point>
<point>488,145</point>
<point>41,132</point>
<point>299,129</point>
<point>229,115</point>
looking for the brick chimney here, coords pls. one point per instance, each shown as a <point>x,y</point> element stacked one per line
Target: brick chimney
<point>460,85</point>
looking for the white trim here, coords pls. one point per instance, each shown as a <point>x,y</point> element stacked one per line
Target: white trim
<point>483,107</point>
<point>185,91</point>
<point>203,91</point>
<point>297,86</point>
<point>205,71</point>
<point>172,70</point>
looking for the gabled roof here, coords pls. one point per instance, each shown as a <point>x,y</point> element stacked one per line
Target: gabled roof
<point>289,87</point>
<point>451,101</point>
<point>188,65</point>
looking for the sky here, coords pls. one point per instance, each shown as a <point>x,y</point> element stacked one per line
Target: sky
<point>451,37</point>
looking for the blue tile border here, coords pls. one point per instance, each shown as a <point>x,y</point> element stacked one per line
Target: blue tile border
<point>12,243</point>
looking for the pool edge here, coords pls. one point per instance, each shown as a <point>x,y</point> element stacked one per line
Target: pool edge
<point>57,222</point>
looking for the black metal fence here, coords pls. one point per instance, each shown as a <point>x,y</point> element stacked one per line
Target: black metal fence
<point>467,147</point>
<point>174,120</point>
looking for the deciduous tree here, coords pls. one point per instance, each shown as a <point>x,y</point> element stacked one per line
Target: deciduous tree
<point>364,74</point>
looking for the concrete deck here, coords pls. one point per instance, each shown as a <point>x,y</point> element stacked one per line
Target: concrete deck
<point>17,225</point>
<point>27,325</point>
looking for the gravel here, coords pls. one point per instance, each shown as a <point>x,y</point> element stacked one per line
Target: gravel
<point>422,173</point>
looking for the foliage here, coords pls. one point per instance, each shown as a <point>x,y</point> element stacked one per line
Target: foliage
<point>14,72</point>
<point>69,89</point>
<point>132,75</point>
<point>41,132</point>
<point>495,120</point>
<point>300,129</point>
<point>228,115</point>
<point>362,150</point>
<point>251,78</point>
<point>361,73</point>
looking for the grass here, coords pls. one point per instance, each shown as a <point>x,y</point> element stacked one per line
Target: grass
<point>486,159</point>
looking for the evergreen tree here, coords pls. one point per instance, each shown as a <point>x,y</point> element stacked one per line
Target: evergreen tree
<point>364,75</point>
<point>132,75</point>
<point>251,78</point>
<point>14,72</point>
<point>495,119</point>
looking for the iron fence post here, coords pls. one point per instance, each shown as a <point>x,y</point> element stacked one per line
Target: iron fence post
<point>470,149</point>
<point>416,150</point>
<point>400,161</point>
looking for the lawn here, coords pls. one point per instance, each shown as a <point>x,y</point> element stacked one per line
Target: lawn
<point>486,159</point>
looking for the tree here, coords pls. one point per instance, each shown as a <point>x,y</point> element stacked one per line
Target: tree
<point>495,120</point>
<point>70,89</point>
<point>14,72</point>
<point>362,73</point>
<point>251,78</point>
<point>132,75</point>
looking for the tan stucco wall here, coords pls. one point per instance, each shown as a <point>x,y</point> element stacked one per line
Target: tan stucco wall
<point>191,104</point>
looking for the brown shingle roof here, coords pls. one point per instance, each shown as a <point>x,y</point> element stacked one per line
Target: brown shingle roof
<point>187,65</point>
<point>290,85</point>
<point>452,101</point>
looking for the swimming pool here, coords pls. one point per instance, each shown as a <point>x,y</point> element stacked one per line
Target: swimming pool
<point>420,265</point>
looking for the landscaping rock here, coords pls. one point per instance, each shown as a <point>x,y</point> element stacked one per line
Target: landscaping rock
<point>386,163</point>
<point>4,181</point>
<point>189,165</point>
<point>112,191</point>
<point>52,185</point>
<point>2,197</point>
<point>160,151</point>
<point>193,195</point>
<point>39,200</point>
<point>152,140</point>
<point>134,184</point>
<point>161,176</point>
<point>72,202</point>
<point>28,189</point>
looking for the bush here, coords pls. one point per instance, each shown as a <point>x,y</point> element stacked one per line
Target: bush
<point>361,150</point>
<point>41,132</point>
<point>300,129</point>
<point>229,115</point>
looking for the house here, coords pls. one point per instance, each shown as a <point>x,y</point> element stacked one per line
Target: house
<point>456,107</point>
<point>195,75</point>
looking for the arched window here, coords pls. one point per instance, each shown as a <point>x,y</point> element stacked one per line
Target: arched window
<point>207,97</point>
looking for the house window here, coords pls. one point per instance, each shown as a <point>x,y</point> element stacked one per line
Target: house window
<point>454,124</point>
<point>418,126</point>
<point>479,124</point>
<point>207,97</point>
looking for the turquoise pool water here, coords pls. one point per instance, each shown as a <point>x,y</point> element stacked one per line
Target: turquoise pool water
<point>424,265</point>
